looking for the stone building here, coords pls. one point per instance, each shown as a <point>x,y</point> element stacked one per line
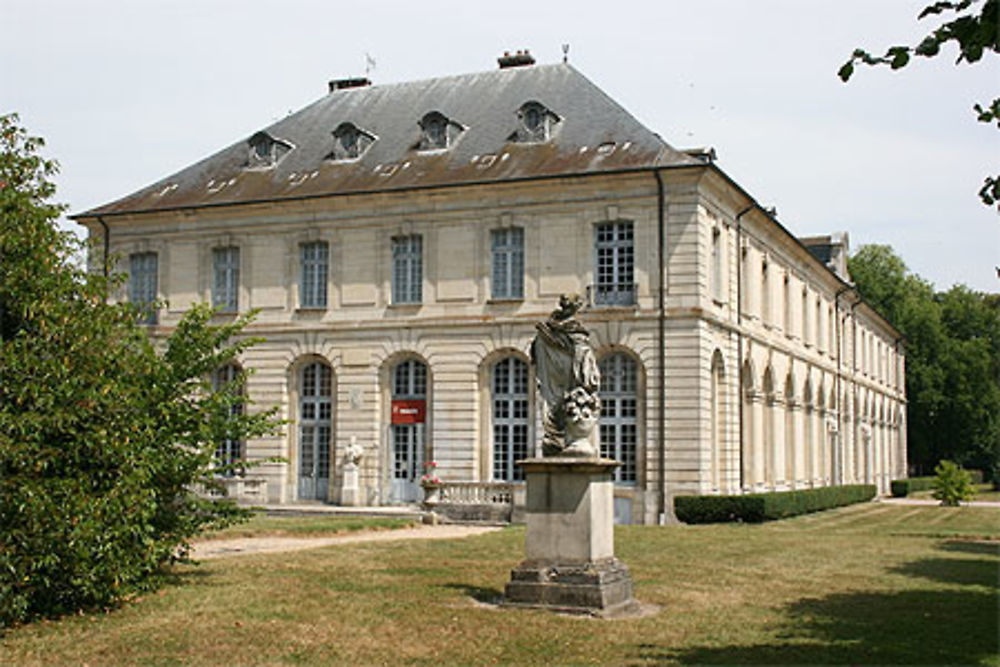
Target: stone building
<point>401,241</point>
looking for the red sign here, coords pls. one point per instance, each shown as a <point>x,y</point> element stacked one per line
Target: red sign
<point>409,412</point>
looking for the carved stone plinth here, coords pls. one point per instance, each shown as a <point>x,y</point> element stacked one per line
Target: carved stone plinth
<point>350,493</point>
<point>570,563</point>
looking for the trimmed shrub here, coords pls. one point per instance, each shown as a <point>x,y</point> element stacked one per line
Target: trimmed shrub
<point>903,487</point>
<point>758,507</point>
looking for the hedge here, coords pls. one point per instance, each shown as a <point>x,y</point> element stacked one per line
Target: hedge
<point>757,507</point>
<point>903,487</point>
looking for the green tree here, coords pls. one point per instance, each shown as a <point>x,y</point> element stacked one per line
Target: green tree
<point>104,435</point>
<point>975,29</point>
<point>952,484</point>
<point>952,360</point>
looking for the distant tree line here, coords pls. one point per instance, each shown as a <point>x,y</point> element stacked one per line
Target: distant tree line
<point>952,361</point>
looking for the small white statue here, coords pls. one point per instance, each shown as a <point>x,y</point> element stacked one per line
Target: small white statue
<point>353,452</point>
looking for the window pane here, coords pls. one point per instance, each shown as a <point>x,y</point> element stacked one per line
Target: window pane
<point>614,273</point>
<point>142,285</point>
<point>510,418</point>
<point>407,269</point>
<point>508,263</point>
<point>315,268</point>
<point>619,414</point>
<point>226,268</point>
<point>315,420</point>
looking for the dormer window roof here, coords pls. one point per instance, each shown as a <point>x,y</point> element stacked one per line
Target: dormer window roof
<point>438,132</point>
<point>266,151</point>
<point>350,142</point>
<point>536,123</point>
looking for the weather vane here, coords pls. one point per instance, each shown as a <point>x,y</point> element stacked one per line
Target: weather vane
<point>565,53</point>
<point>369,64</point>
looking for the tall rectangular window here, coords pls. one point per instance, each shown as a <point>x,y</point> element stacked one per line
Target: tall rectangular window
<point>805,317</point>
<point>142,284</point>
<point>226,284</point>
<point>614,275</point>
<point>765,293</point>
<point>508,263</point>
<point>818,329</point>
<point>407,269</point>
<point>315,258</point>
<point>718,254</point>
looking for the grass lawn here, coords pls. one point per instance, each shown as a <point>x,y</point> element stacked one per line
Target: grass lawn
<point>983,492</point>
<point>868,584</point>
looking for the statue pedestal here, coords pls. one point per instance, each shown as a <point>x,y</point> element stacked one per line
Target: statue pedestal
<point>350,494</point>
<point>570,563</point>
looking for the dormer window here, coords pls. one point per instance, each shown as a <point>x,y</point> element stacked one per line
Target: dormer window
<point>438,132</point>
<point>536,123</point>
<point>266,151</point>
<point>350,142</point>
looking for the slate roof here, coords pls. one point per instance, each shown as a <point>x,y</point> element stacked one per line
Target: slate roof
<point>594,134</point>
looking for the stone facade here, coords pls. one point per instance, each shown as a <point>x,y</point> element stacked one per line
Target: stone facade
<point>800,386</point>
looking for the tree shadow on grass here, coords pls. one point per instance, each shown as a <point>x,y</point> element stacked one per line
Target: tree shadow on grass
<point>478,593</point>
<point>978,547</point>
<point>910,627</point>
<point>963,571</point>
<point>187,574</point>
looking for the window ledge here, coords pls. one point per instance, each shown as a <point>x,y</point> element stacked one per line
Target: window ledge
<point>309,314</point>
<point>614,306</point>
<point>505,301</point>
<point>414,305</point>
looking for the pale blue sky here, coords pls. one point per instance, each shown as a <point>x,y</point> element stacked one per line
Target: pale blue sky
<point>127,92</point>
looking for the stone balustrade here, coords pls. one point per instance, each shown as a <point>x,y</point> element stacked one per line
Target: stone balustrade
<point>477,493</point>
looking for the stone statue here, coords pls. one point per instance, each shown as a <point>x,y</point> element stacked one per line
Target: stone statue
<point>353,452</point>
<point>568,380</point>
<point>350,491</point>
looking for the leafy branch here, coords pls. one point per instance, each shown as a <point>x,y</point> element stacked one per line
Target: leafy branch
<point>974,33</point>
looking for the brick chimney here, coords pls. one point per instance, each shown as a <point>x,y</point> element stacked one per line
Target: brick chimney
<point>519,59</point>
<point>355,82</point>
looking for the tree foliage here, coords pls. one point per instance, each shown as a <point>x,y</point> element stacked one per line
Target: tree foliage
<point>104,435</point>
<point>975,29</point>
<point>952,361</point>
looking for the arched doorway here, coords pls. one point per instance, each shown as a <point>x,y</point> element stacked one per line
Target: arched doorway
<point>315,430</point>
<point>407,431</point>
<point>510,418</point>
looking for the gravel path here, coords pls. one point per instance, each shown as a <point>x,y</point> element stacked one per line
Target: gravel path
<point>242,546</point>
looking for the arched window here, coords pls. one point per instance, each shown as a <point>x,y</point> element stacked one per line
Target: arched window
<point>720,460</point>
<point>768,441</point>
<point>808,433</point>
<point>619,413</point>
<point>229,451</point>
<point>315,430</point>
<point>791,443</point>
<point>438,131</point>
<point>748,456</point>
<point>509,381</point>
<point>409,415</point>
